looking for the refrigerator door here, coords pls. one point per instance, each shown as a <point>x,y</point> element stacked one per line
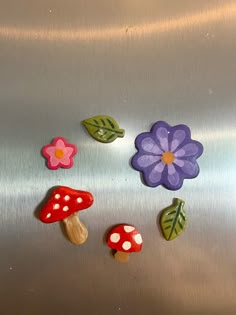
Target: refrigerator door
<point>139,62</point>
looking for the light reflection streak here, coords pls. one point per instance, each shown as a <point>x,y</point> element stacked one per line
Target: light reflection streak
<point>119,32</point>
<point>216,135</point>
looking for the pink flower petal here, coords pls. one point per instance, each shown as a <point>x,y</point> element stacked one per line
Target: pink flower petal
<point>54,161</point>
<point>66,161</point>
<point>60,144</point>
<point>68,151</point>
<point>50,150</point>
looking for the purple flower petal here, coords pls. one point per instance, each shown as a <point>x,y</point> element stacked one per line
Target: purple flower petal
<point>162,136</point>
<point>160,167</point>
<point>147,160</point>
<point>171,169</point>
<point>178,138</point>
<point>149,145</point>
<point>190,168</point>
<point>178,162</point>
<point>189,149</point>
<point>156,173</point>
<point>174,179</point>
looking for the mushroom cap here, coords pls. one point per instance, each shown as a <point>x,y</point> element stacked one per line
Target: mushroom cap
<point>125,238</point>
<point>63,202</point>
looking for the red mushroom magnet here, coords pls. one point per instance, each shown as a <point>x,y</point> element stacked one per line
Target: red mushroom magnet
<point>125,239</point>
<point>62,206</point>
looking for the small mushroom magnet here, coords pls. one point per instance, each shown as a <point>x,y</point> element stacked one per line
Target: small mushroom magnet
<point>125,239</point>
<point>103,128</point>
<point>59,153</point>
<point>173,220</point>
<point>62,206</point>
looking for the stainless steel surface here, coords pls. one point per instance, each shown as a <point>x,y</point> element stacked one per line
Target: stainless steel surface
<point>138,61</point>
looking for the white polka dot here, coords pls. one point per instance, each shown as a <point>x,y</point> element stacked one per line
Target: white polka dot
<point>126,245</point>
<point>65,208</point>
<point>79,200</point>
<point>115,237</point>
<point>67,198</point>
<point>48,215</point>
<point>138,239</point>
<point>128,228</point>
<point>56,206</point>
<point>57,196</point>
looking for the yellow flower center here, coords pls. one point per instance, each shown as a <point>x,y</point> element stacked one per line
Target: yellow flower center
<point>59,153</point>
<point>168,157</point>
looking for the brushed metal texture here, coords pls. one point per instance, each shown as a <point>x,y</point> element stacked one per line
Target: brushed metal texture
<point>138,61</point>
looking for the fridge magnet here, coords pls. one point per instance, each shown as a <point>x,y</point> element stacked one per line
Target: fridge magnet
<point>167,155</point>
<point>125,239</point>
<point>103,128</point>
<point>173,220</point>
<point>63,205</point>
<point>59,153</point>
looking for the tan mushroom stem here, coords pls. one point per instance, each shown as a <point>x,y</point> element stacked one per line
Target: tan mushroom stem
<point>75,229</point>
<point>121,256</point>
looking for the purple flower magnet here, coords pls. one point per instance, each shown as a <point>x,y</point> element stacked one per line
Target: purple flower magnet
<point>167,155</point>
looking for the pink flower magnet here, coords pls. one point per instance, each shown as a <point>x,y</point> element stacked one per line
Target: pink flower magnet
<point>59,153</point>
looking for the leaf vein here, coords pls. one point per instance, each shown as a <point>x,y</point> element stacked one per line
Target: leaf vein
<point>180,224</point>
<point>105,128</point>
<point>169,220</point>
<point>111,123</point>
<point>175,221</point>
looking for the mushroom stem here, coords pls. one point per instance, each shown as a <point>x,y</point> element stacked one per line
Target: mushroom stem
<point>76,230</point>
<point>122,257</point>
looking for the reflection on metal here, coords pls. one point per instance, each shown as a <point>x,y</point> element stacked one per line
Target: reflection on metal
<point>48,87</point>
<point>183,22</point>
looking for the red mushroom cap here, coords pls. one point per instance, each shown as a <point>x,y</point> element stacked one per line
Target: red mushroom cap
<point>63,202</point>
<point>125,238</point>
